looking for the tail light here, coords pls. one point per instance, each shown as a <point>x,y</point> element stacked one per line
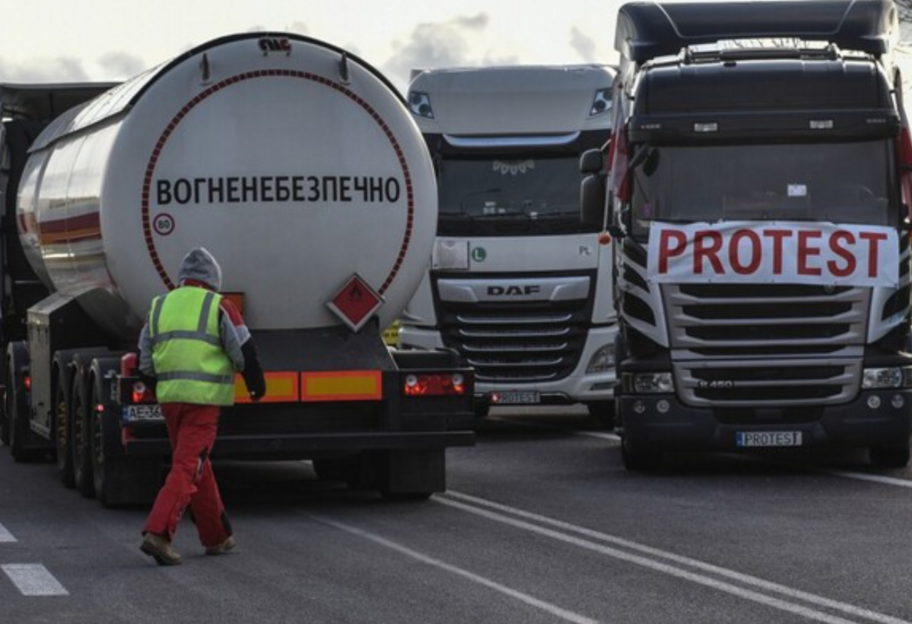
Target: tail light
<point>433,384</point>
<point>27,382</point>
<point>137,391</point>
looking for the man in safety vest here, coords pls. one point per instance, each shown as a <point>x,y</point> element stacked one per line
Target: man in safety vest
<point>192,344</point>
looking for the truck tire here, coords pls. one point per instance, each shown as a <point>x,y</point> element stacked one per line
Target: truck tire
<point>409,475</point>
<point>639,459</point>
<point>80,440</point>
<point>889,457</point>
<point>17,412</point>
<point>63,425</point>
<point>4,423</point>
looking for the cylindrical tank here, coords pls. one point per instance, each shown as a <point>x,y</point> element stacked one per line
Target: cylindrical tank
<point>296,164</point>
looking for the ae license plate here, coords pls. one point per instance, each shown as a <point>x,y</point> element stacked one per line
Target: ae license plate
<point>137,413</point>
<point>516,397</point>
<point>768,438</point>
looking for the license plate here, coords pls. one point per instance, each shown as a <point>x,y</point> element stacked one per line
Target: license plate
<point>768,438</point>
<point>134,413</point>
<point>516,397</point>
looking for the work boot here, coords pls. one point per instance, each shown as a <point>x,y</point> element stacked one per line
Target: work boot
<point>160,549</point>
<point>222,547</point>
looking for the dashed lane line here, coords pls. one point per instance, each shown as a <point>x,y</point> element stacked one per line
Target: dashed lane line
<point>33,579</point>
<point>6,536</point>
<point>553,609</point>
<point>789,599</point>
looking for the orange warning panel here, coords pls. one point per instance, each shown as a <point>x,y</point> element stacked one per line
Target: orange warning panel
<point>281,387</point>
<point>342,386</point>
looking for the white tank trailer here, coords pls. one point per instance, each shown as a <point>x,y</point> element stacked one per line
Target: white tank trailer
<point>299,167</point>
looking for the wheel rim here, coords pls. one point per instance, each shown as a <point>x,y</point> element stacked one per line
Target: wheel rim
<point>98,456</point>
<point>78,433</point>
<point>63,426</point>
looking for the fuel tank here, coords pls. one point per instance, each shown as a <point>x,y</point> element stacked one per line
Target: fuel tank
<point>295,163</point>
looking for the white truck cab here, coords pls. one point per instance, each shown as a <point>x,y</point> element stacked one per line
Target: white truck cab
<point>517,283</point>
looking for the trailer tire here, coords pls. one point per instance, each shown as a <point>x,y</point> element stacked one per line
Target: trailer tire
<point>80,439</point>
<point>889,457</point>
<point>17,413</point>
<point>63,425</point>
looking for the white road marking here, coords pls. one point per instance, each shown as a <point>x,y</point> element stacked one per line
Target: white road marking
<point>6,536</point>
<point>474,505</point>
<point>564,614</point>
<point>861,476</point>
<point>33,579</point>
<point>604,435</point>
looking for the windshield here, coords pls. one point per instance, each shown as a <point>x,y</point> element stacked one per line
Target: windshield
<point>502,195</point>
<point>837,182</point>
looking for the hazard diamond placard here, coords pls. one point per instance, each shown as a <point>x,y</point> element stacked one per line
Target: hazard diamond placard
<point>355,302</point>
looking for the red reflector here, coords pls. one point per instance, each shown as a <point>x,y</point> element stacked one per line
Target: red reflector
<point>434,384</point>
<point>27,382</point>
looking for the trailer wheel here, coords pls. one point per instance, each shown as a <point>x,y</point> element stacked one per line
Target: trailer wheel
<point>63,425</point>
<point>4,422</point>
<point>104,465</point>
<point>117,480</point>
<point>80,439</point>
<point>889,457</point>
<point>17,413</point>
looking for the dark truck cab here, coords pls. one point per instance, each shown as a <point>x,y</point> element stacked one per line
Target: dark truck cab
<point>759,189</point>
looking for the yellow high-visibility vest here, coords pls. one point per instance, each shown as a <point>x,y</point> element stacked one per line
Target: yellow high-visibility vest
<point>190,364</point>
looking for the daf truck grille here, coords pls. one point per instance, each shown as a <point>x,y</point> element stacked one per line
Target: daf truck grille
<point>755,345</point>
<point>518,341</point>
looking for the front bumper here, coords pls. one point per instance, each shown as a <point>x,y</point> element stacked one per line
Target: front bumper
<point>578,387</point>
<point>661,422</point>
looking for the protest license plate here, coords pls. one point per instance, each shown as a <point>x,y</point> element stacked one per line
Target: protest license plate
<point>768,438</point>
<point>516,397</point>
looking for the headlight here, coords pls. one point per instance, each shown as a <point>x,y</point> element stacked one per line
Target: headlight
<point>650,383</point>
<point>893,377</point>
<point>602,360</point>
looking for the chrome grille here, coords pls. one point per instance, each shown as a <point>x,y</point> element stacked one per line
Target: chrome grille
<point>760,345</point>
<point>517,341</point>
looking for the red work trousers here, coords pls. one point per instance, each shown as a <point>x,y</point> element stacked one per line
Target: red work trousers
<point>191,429</point>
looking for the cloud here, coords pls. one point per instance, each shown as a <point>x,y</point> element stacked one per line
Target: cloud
<point>582,44</point>
<point>61,69</point>
<point>121,65</point>
<point>444,44</point>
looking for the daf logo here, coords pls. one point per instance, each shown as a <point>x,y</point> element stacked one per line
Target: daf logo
<point>514,291</point>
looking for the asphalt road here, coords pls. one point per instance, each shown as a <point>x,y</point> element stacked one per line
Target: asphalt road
<point>540,524</point>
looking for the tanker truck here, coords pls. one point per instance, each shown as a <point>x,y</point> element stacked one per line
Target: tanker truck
<point>299,167</point>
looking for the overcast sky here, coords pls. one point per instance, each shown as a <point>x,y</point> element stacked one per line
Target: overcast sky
<point>77,40</point>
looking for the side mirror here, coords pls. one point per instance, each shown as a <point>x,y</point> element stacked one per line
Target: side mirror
<point>592,162</point>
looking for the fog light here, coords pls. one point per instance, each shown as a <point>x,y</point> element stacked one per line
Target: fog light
<point>601,361</point>
<point>639,407</point>
<point>873,401</point>
<point>897,401</point>
<point>663,407</point>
